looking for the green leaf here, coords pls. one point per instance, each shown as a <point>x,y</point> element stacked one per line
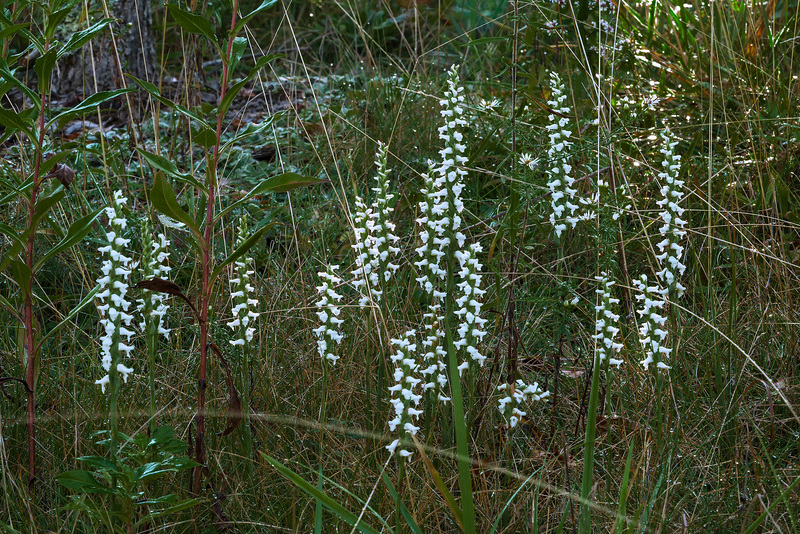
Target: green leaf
<point>204,136</point>
<point>81,481</point>
<point>52,161</point>
<point>8,75</point>
<point>44,68</point>
<point>77,231</point>
<point>170,169</point>
<point>344,514</point>
<point>55,18</point>
<point>99,463</point>
<point>250,129</point>
<point>16,121</point>
<point>183,505</point>
<point>12,234</point>
<point>11,30</point>
<point>163,198</point>
<point>44,204</point>
<point>410,522</point>
<point>237,87</point>
<point>244,20</point>
<point>73,312</point>
<point>21,274</point>
<point>88,105</point>
<point>192,23</point>
<point>237,51</point>
<point>240,251</point>
<point>277,184</point>
<point>155,93</point>
<point>80,38</point>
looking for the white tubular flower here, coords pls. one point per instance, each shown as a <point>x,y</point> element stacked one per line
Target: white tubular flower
<point>405,393</point>
<point>673,229</point>
<point>244,316</point>
<point>328,333</point>
<point>152,305</point>
<point>113,284</point>
<point>606,322</point>
<point>559,173</point>
<point>374,236</point>
<point>513,396</point>
<point>652,331</point>
<point>468,305</point>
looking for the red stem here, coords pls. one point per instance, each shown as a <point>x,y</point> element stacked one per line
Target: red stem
<point>30,349</point>
<point>205,297</point>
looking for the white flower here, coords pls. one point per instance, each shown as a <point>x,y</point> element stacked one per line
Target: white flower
<point>112,295</point>
<point>652,331</point>
<point>560,180</point>
<point>406,392</point>
<point>529,161</point>
<point>244,316</point>
<point>152,305</point>
<point>375,242</point>
<point>673,230</point>
<point>512,396</point>
<point>606,322</point>
<point>470,331</point>
<point>328,333</point>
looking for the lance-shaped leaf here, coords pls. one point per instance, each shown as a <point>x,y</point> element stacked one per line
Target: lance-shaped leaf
<point>13,235</point>
<point>300,483</point>
<point>87,105</point>
<point>44,204</point>
<point>16,121</point>
<point>81,481</point>
<point>160,285</point>
<point>44,68</point>
<point>155,93</point>
<point>245,19</point>
<point>236,88</point>
<point>82,304</point>
<point>250,129</point>
<point>80,38</point>
<point>8,76</point>
<point>192,23</point>
<point>277,184</point>
<point>240,251</point>
<point>163,198</point>
<point>21,274</point>
<point>77,231</point>
<point>55,18</point>
<point>412,524</point>
<point>170,169</point>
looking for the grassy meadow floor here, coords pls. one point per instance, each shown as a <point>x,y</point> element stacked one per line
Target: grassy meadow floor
<point>712,445</point>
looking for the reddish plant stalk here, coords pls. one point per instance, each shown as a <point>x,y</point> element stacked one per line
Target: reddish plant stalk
<point>206,245</point>
<point>30,349</point>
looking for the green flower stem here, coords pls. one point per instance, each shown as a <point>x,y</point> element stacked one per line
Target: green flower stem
<point>585,524</point>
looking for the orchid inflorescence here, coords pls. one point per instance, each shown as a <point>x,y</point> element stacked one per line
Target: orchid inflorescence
<point>374,238</point>
<point>154,257</point>
<point>673,229</point>
<point>559,178</point>
<point>470,331</point>
<point>652,331</point>
<point>606,322</point>
<point>405,393</point>
<point>243,312</point>
<point>113,284</point>
<point>516,395</point>
<point>328,333</point>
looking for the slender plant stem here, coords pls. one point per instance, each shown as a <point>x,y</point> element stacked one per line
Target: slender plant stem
<point>588,449</point>
<point>323,418</point>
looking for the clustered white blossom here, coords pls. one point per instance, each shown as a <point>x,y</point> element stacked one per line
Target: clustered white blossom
<point>374,237</point>
<point>516,395</point>
<point>328,333</point>
<point>431,277</point>
<point>673,229</point>
<point>468,304</point>
<point>560,181</point>
<point>449,184</point>
<point>243,312</point>
<point>152,305</point>
<point>652,331</point>
<point>113,284</point>
<point>405,393</point>
<point>606,322</point>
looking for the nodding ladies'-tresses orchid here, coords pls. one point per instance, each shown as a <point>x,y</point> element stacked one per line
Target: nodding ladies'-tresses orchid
<point>114,316</point>
<point>559,171</point>
<point>328,334</point>
<point>405,393</point>
<point>515,395</point>
<point>652,331</point>
<point>243,312</point>
<point>606,322</point>
<point>673,229</point>
<point>152,305</point>
<point>374,238</point>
